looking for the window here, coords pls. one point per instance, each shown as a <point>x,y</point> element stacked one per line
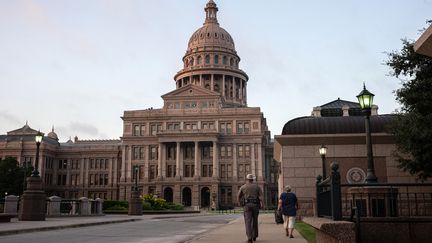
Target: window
<point>206,152</point>
<point>171,152</point>
<point>225,171</point>
<point>199,60</point>
<point>190,126</point>
<point>243,127</point>
<point>232,62</point>
<point>137,130</point>
<point>240,150</point>
<point>247,151</point>
<point>153,152</point>
<point>171,171</point>
<point>207,125</point>
<point>189,151</point>
<point>141,153</point>
<point>141,172</point>
<point>153,171</point>
<point>207,59</point>
<point>224,60</point>
<point>189,170</point>
<point>154,128</point>
<point>225,127</point>
<point>216,59</point>
<point>207,170</point>
<point>136,152</point>
<point>173,126</point>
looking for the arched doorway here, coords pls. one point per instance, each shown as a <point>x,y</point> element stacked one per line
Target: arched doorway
<point>168,194</point>
<point>205,197</point>
<point>187,197</point>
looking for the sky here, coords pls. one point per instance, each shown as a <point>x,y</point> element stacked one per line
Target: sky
<point>78,65</point>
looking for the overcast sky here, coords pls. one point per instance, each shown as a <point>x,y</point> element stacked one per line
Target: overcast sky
<point>79,64</point>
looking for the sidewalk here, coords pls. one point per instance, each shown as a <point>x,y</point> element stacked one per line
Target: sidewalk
<point>15,226</point>
<point>234,232</point>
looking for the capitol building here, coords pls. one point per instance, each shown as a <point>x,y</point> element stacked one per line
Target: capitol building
<point>195,150</point>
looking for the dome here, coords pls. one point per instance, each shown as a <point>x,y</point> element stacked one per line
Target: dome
<point>336,125</point>
<point>211,35</point>
<point>53,135</point>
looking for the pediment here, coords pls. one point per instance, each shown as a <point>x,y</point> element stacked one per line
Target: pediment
<point>190,90</point>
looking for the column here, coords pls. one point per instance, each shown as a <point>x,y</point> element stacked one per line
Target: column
<point>234,165</point>
<point>181,161</point>
<point>178,159</point>
<point>197,162</point>
<point>86,172</point>
<point>253,159</point>
<point>160,160</point>
<point>81,182</point>
<point>129,164</point>
<point>260,162</point>
<point>223,86</point>
<point>215,160</point>
<point>146,162</point>
<point>164,165</point>
<point>201,80</point>
<point>241,91</point>
<point>234,88</point>
<point>110,171</point>
<point>115,180</point>
<point>212,82</point>
<point>245,92</point>
<point>123,165</point>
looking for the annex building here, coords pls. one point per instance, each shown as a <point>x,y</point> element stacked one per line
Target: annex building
<point>196,149</point>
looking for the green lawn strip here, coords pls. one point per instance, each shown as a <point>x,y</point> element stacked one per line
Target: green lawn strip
<point>307,231</point>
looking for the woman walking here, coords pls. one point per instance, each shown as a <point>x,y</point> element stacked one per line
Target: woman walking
<point>289,205</point>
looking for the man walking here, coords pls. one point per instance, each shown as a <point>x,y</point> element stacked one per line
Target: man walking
<point>249,196</point>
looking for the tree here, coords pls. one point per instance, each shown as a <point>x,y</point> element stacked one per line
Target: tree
<point>412,127</point>
<point>12,177</point>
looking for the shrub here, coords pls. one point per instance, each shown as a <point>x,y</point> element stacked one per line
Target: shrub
<point>146,206</point>
<point>174,206</point>
<point>111,203</point>
<point>117,207</point>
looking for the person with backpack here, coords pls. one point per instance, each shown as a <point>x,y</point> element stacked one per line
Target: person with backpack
<point>288,205</point>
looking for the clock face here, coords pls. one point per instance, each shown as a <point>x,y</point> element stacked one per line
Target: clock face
<point>355,175</point>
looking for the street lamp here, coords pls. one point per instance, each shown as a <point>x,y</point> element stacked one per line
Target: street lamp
<point>323,152</point>
<point>38,139</point>
<point>365,99</point>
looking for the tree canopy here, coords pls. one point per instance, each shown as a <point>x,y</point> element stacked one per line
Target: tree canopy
<point>412,127</point>
<point>12,177</point>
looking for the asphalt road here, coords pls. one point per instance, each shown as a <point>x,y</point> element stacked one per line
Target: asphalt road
<point>164,230</point>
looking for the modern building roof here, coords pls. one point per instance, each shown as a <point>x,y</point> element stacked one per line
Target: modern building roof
<point>335,125</point>
<point>424,44</point>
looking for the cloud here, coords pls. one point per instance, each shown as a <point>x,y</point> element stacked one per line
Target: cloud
<point>9,118</point>
<point>84,128</point>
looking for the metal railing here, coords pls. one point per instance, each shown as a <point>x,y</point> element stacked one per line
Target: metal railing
<point>70,207</point>
<point>336,200</point>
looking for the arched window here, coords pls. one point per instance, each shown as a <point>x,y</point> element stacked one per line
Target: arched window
<point>232,62</point>
<point>199,60</point>
<point>216,87</point>
<point>191,61</point>
<point>207,59</point>
<point>224,60</point>
<point>216,59</point>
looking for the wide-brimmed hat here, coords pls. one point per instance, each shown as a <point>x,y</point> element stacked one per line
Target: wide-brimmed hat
<point>250,177</point>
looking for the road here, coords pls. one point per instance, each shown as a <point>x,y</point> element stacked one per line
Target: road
<point>162,230</point>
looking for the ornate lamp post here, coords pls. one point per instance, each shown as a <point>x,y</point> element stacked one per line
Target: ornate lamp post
<point>33,200</point>
<point>38,139</point>
<point>365,99</point>
<point>136,177</point>
<point>323,152</point>
<point>135,202</point>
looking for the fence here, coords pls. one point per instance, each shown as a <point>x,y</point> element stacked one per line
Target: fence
<point>56,206</point>
<point>336,200</point>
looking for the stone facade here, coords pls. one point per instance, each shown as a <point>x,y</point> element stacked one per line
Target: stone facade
<point>196,149</point>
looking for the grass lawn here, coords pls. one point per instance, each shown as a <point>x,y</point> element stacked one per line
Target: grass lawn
<point>307,231</point>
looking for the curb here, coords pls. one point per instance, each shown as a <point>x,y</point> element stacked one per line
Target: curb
<point>12,232</point>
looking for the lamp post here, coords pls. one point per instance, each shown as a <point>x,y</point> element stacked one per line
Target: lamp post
<point>323,152</point>
<point>38,139</point>
<point>365,99</point>
<point>136,177</point>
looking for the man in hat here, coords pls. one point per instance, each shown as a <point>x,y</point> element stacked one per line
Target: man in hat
<point>249,196</point>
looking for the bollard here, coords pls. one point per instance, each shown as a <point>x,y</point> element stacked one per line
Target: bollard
<point>54,206</point>
<point>11,204</point>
